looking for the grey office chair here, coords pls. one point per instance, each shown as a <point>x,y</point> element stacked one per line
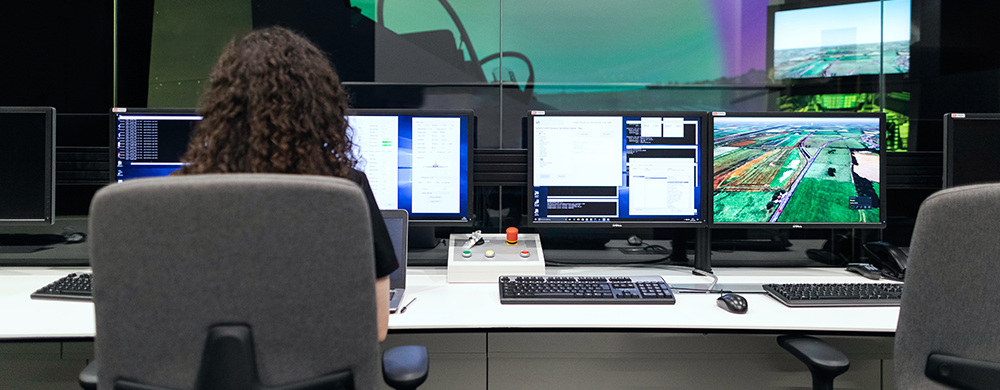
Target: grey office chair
<point>947,332</point>
<point>240,281</point>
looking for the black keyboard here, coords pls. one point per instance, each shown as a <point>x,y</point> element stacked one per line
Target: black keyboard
<point>585,289</point>
<point>75,286</point>
<point>837,294</point>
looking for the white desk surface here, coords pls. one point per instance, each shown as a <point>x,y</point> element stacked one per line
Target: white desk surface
<point>476,306</point>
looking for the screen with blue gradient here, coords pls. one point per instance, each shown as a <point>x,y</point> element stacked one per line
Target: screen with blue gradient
<point>415,162</point>
<point>599,168</point>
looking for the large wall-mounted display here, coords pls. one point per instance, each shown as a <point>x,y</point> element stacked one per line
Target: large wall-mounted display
<point>858,38</point>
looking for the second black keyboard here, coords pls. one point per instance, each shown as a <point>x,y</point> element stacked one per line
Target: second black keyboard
<point>75,286</point>
<point>585,289</point>
<point>837,294</point>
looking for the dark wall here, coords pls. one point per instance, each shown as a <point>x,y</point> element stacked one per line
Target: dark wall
<point>956,64</point>
<point>57,53</point>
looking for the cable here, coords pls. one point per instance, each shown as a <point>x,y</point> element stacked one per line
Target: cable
<point>715,279</point>
<point>693,270</point>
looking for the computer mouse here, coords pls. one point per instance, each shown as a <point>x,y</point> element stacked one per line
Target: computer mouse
<point>634,240</point>
<point>733,303</point>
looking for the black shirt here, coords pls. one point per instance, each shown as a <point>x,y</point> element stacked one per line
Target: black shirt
<point>385,256</point>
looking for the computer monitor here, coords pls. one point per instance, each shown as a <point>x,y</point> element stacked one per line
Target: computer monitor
<point>617,169</point>
<point>970,155</point>
<point>839,38</point>
<point>149,142</point>
<point>794,170</point>
<point>417,160</point>
<point>27,165</point>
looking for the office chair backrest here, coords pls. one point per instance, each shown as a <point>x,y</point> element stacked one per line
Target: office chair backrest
<point>952,300</point>
<point>289,255</point>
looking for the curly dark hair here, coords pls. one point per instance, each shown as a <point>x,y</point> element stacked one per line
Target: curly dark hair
<point>274,104</point>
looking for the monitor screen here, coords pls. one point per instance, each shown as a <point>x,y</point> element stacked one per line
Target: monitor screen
<point>149,142</point>
<point>970,153</point>
<point>27,165</point>
<point>616,169</point>
<point>417,160</point>
<point>799,169</point>
<point>841,40</point>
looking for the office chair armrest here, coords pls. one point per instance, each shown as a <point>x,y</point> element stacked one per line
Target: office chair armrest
<point>821,358</point>
<point>962,373</point>
<point>405,367</point>
<point>88,377</point>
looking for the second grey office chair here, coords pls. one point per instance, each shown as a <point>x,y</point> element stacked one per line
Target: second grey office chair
<point>947,332</point>
<point>259,281</point>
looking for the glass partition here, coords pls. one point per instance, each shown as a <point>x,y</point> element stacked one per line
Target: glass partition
<point>504,58</point>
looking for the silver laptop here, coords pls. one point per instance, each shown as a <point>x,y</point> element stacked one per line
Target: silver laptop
<point>397,221</point>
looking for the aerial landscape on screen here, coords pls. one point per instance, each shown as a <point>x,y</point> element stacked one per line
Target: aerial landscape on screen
<point>845,60</point>
<point>796,170</point>
<point>851,39</point>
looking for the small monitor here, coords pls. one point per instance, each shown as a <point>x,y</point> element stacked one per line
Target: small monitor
<point>841,38</point>
<point>149,142</point>
<point>27,165</point>
<point>417,160</point>
<point>617,169</point>
<point>970,153</point>
<point>799,170</point>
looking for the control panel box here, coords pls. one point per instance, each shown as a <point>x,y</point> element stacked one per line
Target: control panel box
<point>494,256</point>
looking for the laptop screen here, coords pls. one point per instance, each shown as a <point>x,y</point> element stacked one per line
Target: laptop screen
<point>396,223</point>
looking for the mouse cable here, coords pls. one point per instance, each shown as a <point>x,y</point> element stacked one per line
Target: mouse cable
<point>693,270</point>
<point>698,290</point>
<point>646,264</point>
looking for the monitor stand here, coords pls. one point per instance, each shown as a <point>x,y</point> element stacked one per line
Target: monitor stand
<point>423,248</point>
<point>14,249</point>
<point>28,243</point>
<point>421,237</point>
<point>669,248</point>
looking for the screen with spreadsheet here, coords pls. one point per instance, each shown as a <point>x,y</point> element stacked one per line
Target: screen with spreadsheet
<point>417,160</point>
<point>616,169</point>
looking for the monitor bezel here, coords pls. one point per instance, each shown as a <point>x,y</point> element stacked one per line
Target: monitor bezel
<point>810,225</point>
<point>863,78</point>
<point>705,156</point>
<point>113,133</point>
<point>470,145</point>
<point>49,206</point>
<point>948,163</point>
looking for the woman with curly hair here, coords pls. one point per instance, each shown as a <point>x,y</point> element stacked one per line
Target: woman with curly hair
<point>275,105</point>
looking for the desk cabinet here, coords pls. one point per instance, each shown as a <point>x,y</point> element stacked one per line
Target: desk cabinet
<point>501,360</point>
<point>42,365</point>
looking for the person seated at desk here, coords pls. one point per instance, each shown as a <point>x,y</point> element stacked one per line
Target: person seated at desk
<point>274,104</point>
